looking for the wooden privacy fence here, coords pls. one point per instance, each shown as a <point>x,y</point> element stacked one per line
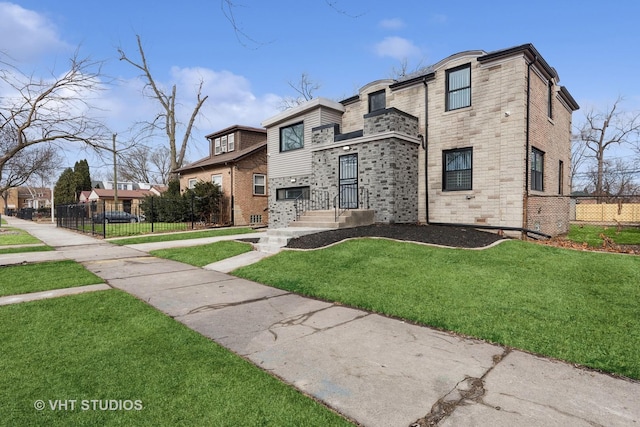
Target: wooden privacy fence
<point>608,212</point>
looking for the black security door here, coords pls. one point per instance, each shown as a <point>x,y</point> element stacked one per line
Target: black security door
<point>349,181</point>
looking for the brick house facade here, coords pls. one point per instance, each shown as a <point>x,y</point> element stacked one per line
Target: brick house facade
<point>477,139</point>
<point>238,164</point>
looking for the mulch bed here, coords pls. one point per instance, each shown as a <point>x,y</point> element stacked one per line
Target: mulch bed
<point>461,237</point>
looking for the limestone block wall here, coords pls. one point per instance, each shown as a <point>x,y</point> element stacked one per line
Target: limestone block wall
<point>282,212</point>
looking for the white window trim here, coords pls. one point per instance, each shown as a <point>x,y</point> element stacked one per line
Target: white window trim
<point>231,142</point>
<point>192,183</point>
<point>219,178</point>
<point>216,146</point>
<point>263,185</point>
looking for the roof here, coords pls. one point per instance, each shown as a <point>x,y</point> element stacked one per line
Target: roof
<point>222,159</point>
<point>122,194</point>
<point>236,128</point>
<point>428,72</point>
<point>301,109</point>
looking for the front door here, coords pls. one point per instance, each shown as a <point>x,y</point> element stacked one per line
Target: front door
<point>348,181</point>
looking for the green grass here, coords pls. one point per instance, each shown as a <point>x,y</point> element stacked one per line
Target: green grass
<point>183,236</point>
<point>110,346</point>
<point>202,255</point>
<point>20,250</point>
<point>44,276</point>
<point>15,236</point>
<point>581,307</point>
<point>133,229</point>
<point>590,234</point>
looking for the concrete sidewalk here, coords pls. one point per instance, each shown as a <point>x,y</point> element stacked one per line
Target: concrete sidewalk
<point>375,370</point>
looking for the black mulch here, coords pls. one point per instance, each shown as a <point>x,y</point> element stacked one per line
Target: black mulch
<point>461,237</point>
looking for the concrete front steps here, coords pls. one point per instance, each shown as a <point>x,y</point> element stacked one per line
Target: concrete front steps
<point>326,219</point>
<point>277,238</point>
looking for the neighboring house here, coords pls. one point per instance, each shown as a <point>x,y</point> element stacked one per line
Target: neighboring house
<point>128,200</point>
<point>238,164</point>
<point>478,138</point>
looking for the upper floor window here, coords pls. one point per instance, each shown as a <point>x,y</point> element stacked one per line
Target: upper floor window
<point>224,144</point>
<point>217,180</point>
<point>259,185</point>
<point>550,99</point>
<point>537,170</point>
<point>292,137</point>
<point>457,169</point>
<point>458,87</point>
<point>377,101</point>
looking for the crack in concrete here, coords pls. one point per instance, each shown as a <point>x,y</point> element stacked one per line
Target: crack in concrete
<point>302,318</point>
<point>469,390</point>
<point>230,304</point>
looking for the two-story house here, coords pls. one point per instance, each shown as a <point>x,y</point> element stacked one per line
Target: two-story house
<point>479,138</point>
<point>237,162</point>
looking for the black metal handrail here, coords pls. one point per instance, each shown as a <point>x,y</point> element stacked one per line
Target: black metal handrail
<point>316,200</point>
<point>361,203</point>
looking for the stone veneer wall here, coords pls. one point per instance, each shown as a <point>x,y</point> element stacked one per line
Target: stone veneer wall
<point>283,212</point>
<point>387,169</point>
<point>390,120</point>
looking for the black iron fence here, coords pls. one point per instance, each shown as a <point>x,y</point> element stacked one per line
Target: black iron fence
<point>153,214</point>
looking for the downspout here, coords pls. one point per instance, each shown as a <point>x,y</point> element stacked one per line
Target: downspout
<point>525,198</point>
<point>425,146</point>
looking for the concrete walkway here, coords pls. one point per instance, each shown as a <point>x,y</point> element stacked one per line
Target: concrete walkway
<point>375,370</point>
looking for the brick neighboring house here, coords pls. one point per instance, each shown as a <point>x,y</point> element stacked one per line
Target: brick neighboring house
<point>26,197</point>
<point>238,164</point>
<point>477,139</point>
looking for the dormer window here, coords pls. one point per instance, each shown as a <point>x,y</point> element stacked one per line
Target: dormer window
<point>224,144</point>
<point>377,101</point>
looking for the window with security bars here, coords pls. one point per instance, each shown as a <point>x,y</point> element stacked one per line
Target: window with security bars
<point>537,170</point>
<point>457,169</point>
<point>458,89</point>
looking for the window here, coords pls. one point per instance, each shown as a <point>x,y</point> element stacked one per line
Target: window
<point>292,193</point>
<point>292,137</point>
<point>458,88</point>
<point>560,177</point>
<point>550,99</point>
<point>259,187</point>
<point>192,183</point>
<point>537,169</point>
<point>457,169</point>
<point>217,180</point>
<point>231,142</point>
<point>223,144</point>
<point>377,101</point>
<point>216,146</point>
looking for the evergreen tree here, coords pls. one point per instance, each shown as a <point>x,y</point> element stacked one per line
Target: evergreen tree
<point>65,188</point>
<point>82,177</point>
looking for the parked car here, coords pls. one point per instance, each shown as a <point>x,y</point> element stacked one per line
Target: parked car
<point>115,216</point>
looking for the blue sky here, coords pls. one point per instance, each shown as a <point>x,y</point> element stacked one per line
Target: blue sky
<point>340,44</point>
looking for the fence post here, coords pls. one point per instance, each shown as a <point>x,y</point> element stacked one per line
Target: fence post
<point>193,202</point>
<point>152,213</point>
<point>104,219</point>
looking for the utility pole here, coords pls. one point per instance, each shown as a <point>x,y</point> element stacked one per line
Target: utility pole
<point>115,174</point>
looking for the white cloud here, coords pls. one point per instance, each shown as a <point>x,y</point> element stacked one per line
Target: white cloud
<point>25,34</point>
<point>397,47</point>
<point>438,18</point>
<point>392,24</point>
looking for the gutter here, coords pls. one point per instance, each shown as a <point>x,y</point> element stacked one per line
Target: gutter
<point>525,197</point>
<point>425,146</point>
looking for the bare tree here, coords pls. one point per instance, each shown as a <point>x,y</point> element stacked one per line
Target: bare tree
<point>26,165</point>
<point>166,120</point>
<point>49,111</point>
<point>618,181</point>
<point>144,164</point>
<point>304,89</point>
<point>603,130</point>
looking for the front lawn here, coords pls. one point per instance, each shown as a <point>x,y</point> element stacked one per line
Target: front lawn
<point>44,276</point>
<point>114,349</point>
<point>204,254</point>
<point>581,307</point>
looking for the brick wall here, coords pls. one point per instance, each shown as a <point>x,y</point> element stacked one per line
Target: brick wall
<point>248,206</point>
